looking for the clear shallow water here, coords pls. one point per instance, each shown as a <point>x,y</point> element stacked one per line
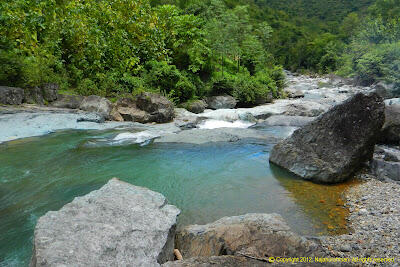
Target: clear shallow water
<point>206,182</point>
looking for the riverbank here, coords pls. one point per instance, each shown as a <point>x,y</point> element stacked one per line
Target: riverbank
<point>374,220</point>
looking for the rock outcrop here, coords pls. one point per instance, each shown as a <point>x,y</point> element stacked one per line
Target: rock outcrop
<point>254,235</point>
<point>220,102</point>
<point>96,104</point>
<point>68,101</point>
<point>334,145</point>
<point>146,107</point>
<point>11,95</point>
<point>39,94</point>
<point>117,225</point>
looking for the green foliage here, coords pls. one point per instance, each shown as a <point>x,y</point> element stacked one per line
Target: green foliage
<point>374,53</point>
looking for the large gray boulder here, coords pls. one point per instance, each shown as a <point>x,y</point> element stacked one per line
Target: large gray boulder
<point>197,106</point>
<point>117,225</point>
<point>334,145</point>
<point>50,91</point>
<point>254,235</point>
<point>387,90</point>
<point>11,95</point>
<point>391,128</point>
<point>34,95</point>
<point>96,104</point>
<point>220,102</point>
<point>159,108</point>
<point>386,163</point>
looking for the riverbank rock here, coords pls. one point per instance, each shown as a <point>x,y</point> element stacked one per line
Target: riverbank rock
<point>221,102</point>
<point>68,101</point>
<point>50,91</point>
<point>197,106</point>
<point>117,225</point>
<point>159,108</point>
<point>386,163</point>
<point>11,95</point>
<point>255,235</point>
<point>146,107</point>
<point>391,128</point>
<point>334,145</point>
<point>33,96</point>
<point>386,90</point>
<point>96,104</point>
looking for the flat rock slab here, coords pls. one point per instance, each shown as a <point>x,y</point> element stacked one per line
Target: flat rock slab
<point>333,146</point>
<point>117,225</point>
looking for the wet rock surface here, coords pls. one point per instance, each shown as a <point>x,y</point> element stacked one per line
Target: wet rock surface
<point>386,163</point>
<point>117,225</point>
<point>334,145</point>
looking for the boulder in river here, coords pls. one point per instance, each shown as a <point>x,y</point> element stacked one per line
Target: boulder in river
<point>336,144</point>
<point>387,90</point>
<point>221,102</point>
<point>96,104</point>
<point>386,163</point>
<point>11,95</point>
<point>391,128</point>
<point>197,106</point>
<point>159,108</point>
<point>117,225</point>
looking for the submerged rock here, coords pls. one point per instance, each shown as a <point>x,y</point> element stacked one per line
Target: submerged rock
<point>334,145</point>
<point>255,235</point>
<point>221,102</point>
<point>11,95</point>
<point>117,225</point>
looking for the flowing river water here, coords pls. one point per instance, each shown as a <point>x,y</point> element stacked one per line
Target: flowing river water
<point>206,181</point>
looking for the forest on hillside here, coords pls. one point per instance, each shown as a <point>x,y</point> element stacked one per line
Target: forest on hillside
<point>187,49</point>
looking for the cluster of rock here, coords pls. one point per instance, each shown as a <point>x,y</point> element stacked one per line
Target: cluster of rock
<point>125,225</point>
<point>40,95</point>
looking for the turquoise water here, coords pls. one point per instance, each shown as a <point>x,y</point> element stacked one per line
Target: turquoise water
<point>206,182</point>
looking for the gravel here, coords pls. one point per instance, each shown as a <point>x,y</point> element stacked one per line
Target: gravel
<point>374,220</point>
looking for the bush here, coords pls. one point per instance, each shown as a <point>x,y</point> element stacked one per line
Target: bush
<point>88,87</point>
<point>168,80</point>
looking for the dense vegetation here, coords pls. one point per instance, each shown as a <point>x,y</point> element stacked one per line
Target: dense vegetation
<point>191,48</point>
